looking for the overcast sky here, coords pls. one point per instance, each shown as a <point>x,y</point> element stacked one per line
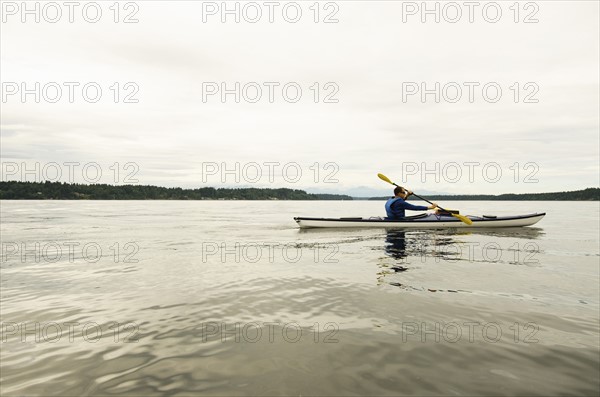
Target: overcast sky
<point>373,61</point>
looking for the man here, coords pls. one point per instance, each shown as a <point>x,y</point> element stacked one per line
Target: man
<point>396,205</point>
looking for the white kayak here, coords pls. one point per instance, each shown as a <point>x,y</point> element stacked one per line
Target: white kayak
<point>423,221</point>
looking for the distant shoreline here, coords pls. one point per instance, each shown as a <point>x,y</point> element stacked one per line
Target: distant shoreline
<point>589,194</point>
<point>15,190</point>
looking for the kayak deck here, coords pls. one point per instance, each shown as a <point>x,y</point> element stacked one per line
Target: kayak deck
<point>430,221</point>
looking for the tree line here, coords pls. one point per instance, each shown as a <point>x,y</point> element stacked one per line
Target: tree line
<point>15,190</point>
<point>589,194</point>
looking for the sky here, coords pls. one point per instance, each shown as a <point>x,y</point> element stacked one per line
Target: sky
<point>320,96</point>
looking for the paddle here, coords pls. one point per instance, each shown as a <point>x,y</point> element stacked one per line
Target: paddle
<point>457,216</point>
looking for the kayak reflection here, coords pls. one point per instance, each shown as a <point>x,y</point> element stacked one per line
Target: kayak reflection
<point>427,251</point>
<point>411,249</point>
<point>401,244</point>
<point>526,233</point>
<point>395,244</point>
<point>452,245</point>
<point>530,233</point>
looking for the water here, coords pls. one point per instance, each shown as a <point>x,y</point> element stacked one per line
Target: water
<point>156,298</point>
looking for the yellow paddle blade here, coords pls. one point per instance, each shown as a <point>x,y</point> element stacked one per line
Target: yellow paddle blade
<point>463,218</point>
<point>385,178</point>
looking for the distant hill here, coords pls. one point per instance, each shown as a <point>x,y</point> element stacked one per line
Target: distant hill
<point>13,190</point>
<point>589,194</point>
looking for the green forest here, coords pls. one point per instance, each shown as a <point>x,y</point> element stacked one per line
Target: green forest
<point>13,190</point>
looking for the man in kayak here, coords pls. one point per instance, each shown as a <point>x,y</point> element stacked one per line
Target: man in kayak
<point>396,205</point>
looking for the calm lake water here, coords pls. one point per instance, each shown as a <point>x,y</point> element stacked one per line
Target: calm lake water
<point>231,298</point>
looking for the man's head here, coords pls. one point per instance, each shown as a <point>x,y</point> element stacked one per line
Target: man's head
<point>400,192</point>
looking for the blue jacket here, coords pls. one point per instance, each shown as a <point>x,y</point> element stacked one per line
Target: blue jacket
<point>395,207</point>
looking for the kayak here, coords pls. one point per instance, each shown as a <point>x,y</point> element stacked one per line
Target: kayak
<point>428,221</point>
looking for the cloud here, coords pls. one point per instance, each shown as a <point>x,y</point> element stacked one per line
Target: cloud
<point>370,56</point>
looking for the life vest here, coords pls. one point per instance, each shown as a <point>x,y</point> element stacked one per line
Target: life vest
<point>391,212</point>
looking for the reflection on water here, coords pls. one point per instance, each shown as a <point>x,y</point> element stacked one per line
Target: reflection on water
<point>415,249</point>
<point>316,314</point>
<point>529,233</point>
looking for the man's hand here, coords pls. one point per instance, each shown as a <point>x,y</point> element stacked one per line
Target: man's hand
<point>432,206</point>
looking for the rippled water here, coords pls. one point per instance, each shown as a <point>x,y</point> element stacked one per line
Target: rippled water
<point>230,298</point>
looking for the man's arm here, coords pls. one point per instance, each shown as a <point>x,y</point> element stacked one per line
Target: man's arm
<point>423,208</point>
<point>408,206</point>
